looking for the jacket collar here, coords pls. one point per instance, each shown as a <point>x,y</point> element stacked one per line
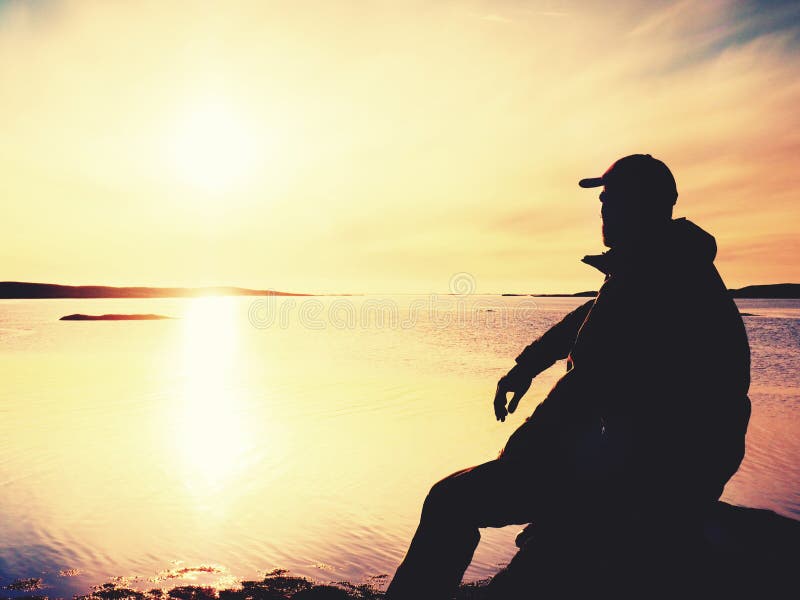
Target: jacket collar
<point>652,248</point>
<point>604,262</point>
<point>681,242</point>
<point>617,261</point>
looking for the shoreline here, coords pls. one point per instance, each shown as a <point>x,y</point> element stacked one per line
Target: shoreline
<point>759,545</point>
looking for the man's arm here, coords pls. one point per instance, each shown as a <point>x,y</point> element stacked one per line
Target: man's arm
<point>541,354</point>
<point>554,344</point>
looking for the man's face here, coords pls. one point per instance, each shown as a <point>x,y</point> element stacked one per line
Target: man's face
<point>621,221</point>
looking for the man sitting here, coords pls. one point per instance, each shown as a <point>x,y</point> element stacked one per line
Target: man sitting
<point>652,410</point>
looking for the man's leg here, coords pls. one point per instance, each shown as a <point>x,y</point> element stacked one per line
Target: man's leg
<point>494,494</point>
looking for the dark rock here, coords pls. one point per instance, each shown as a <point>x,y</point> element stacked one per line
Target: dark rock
<point>25,585</point>
<point>322,592</point>
<point>193,592</point>
<point>736,552</point>
<point>113,317</point>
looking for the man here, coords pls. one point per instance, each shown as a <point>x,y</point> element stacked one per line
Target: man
<point>651,412</point>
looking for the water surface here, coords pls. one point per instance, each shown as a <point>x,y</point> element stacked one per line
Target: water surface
<point>294,432</point>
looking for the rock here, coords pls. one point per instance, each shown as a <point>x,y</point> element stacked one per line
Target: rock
<point>113,317</point>
<point>737,552</point>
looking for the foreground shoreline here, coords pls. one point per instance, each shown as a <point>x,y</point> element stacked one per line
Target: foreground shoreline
<point>739,552</point>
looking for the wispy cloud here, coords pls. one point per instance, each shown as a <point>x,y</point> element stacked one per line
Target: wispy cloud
<point>493,18</point>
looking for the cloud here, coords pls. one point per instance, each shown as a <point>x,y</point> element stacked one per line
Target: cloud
<point>496,19</point>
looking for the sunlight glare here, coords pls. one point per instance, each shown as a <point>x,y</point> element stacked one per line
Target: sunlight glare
<point>214,146</point>
<point>213,437</point>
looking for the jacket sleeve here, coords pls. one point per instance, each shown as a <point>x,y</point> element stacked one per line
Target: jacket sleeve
<point>555,344</point>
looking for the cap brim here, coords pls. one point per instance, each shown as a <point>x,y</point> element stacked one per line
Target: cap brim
<point>591,182</point>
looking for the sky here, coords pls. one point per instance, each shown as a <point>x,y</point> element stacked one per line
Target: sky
<point>381,146</point>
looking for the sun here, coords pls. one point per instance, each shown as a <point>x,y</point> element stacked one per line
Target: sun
<point>214,146</point>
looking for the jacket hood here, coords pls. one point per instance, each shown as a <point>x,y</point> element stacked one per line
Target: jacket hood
<point>680,242</point>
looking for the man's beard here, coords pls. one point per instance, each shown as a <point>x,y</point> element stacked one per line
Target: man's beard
<point>608,236</point>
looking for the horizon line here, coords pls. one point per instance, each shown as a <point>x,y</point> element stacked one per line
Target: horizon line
<point>25,290</point>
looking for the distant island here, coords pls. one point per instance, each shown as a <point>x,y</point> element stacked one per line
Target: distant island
<point>769,291</point>
<point>23,290</point>
<point>776,290</point>
<point>589,294</point>
<point>113,317</point>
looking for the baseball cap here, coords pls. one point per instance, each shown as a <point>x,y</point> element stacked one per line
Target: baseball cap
<point>638,174</point>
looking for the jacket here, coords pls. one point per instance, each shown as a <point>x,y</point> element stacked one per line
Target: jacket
<point>660,359</point>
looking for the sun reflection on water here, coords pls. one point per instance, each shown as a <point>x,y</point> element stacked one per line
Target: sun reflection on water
<point>212,434</point>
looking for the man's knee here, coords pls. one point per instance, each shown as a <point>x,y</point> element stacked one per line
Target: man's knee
<point>441,498</point>
<point>448,495</point>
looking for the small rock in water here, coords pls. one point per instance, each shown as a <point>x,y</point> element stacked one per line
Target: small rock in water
<point>113,317</point>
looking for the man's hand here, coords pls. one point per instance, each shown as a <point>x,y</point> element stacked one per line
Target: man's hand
<point>514,381</point>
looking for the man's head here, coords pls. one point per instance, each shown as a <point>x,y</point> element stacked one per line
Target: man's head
<point>638,194</point>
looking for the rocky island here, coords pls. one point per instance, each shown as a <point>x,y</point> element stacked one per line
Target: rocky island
<point>113,317</point>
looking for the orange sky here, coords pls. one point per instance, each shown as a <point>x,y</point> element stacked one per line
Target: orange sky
<point>384,146</point>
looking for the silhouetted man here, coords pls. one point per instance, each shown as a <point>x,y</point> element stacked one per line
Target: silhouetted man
<point>652,410</point>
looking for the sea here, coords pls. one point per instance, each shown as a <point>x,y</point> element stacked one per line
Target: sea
<point>247,434</point>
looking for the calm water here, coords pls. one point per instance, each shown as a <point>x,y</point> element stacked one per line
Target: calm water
<point>298,433</point>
